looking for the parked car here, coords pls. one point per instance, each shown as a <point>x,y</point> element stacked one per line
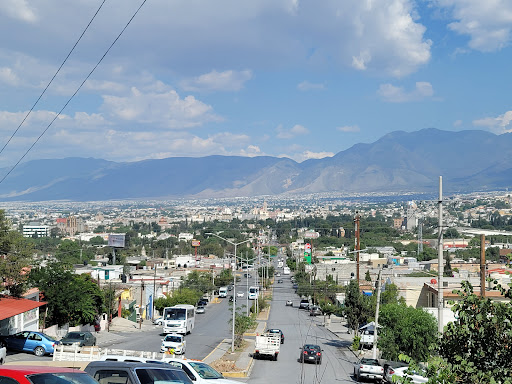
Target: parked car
<point>414,376</point>
<point>199,372</point>
<point>159,321</point>
<point>277,331</point>
<point>79,338</point>
<point>315,310</point>
<point>28,374</point>
<point>200,309</point>
<point>25,341</point>
<point>175,342</point>
<point>289,303</point>
<point>310,353</point>
<point>106,372</point>
<point>368,369</point>
<point>304,304</point>
<point>202,302</point>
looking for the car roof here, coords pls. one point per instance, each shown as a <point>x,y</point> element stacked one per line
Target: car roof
<point>126,364</point>
<point>31,369</point>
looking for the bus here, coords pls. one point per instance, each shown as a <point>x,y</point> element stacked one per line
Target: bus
<point>253,293</point>
<point>179,319</point>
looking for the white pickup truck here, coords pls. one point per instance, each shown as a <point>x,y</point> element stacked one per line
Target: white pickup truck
<point>268,345</point>
<point>369,369</point>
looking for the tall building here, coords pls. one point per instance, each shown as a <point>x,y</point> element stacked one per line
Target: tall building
<point>36,230</point>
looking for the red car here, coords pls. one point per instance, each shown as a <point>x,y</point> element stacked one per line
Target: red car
<point>26,374</point>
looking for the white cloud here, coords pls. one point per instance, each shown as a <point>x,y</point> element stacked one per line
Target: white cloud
<point>315,155</point>
<point>457,123</point>
<point>487,23</point>
<point>165,109</point>
<point>307,86</point>
<point>296,130</point>
<point>18,9</point>
<point>500,124</point>
<point>7,76</point>
<point>229,81</point>
<point>392,94</point>
<point>348,128</point>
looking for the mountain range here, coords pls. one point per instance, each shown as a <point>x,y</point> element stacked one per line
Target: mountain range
<point>400,161</point>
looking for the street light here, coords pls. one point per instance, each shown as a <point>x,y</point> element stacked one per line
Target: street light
<point>234,285</point>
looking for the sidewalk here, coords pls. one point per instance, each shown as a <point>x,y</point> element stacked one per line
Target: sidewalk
<point>338,327</point>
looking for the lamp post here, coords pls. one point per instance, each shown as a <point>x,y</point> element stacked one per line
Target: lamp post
<point>234,285</point>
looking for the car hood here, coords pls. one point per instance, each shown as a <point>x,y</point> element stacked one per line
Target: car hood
<point>70,341</point>
<point>171,344</point>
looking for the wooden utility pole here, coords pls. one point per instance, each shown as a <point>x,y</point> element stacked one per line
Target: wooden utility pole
<point>482,266</point>
<point>357,243</point>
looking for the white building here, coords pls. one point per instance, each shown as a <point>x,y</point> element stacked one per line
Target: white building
<point>36,230</point>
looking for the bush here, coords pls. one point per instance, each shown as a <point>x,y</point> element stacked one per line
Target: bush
<point>356,344</point>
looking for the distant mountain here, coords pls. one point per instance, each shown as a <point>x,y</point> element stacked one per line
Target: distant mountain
<point>398,162</point>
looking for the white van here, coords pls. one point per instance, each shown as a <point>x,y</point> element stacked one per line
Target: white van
<point>253,293</point>
<point>223,291</point>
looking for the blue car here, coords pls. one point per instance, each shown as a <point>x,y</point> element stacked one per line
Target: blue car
<point>36,342</point>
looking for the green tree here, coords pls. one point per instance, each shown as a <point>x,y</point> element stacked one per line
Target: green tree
<point>406,330</point>
<point>477,346</point>
<point>367,276</point>
<point>359,309</point>
<point>200,281</point>
<point>15,258</point>
<point>68,252</point>
<point>181,296</point>
<point>73,299</point>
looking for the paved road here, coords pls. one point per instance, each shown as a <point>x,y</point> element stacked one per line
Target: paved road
<point>300,328</point>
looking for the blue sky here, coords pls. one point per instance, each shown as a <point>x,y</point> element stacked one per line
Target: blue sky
<point>294,78</point>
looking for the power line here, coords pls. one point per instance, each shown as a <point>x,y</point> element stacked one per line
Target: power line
<point>53,78</point>
<point>74,94</point>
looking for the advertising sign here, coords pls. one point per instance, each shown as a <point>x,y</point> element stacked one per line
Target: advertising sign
<point>196,243</point>
<point>307,248</point>
<point>116,240</point>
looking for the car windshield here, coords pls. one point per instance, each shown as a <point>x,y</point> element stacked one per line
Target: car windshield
<point>61,378</point>
<point>75,335</point>
<point>173,339</point>
<point>205,371</point>
<point>162,376</point>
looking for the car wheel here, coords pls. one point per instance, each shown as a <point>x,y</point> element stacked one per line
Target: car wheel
<point>275,357</point>
<point>39,351</point>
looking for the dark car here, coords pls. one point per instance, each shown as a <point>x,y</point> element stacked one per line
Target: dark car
<point>304,304</point>
<point>106,372</point>
<point>36,342</point>
<point>277,331</point>
<point>202,302</point>
<point>27,374</point>
<point>310,353</point>
<point>280,281</point>
<point>79,338</point>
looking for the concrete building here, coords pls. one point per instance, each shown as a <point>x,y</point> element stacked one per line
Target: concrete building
<point>36,230</point>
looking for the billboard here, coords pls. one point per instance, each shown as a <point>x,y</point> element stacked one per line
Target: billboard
<point>196,243</point>
<point>116,240</point>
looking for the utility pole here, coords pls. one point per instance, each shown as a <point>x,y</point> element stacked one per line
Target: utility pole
<point>154,290</point>
<point>440,266</point>
<point>140,306</point>
<point>357,243</point>
<point>482,266</point>
<point>377,285</point>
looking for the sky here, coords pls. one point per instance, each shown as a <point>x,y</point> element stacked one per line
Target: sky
<point>290,78</point>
